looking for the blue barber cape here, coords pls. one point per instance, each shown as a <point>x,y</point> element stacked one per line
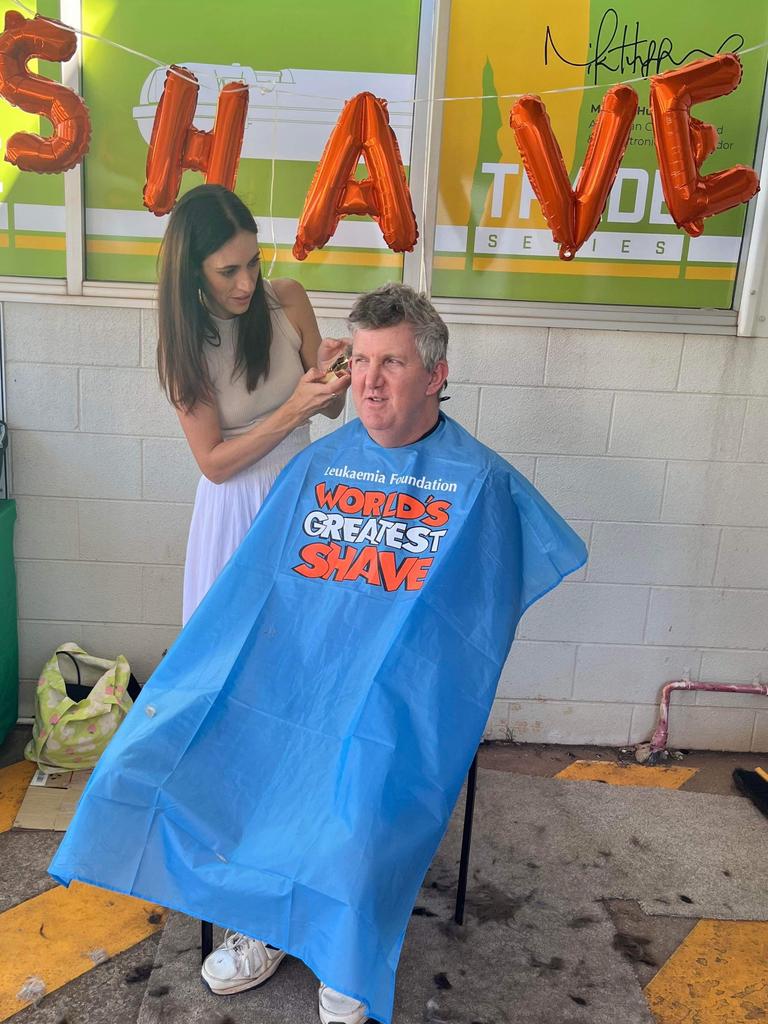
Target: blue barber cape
<point>291,766</point>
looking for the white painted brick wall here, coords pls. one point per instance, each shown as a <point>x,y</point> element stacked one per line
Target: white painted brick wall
<point>743,558</point>
<point>609,359</point>
<point>544,420</point>
<point>677,426</point>
<point>716,493</point>
<point>754,441</point>
<point>724,366</point>
<point>654,446</point>
<point>653,553</point>
<point>602,489</point>
<point>45,396</point>
<point>169,471</point>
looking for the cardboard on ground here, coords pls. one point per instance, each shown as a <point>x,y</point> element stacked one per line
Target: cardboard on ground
<point>50,800</point>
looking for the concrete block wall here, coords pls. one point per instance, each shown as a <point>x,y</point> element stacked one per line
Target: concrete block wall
<point>654,446</point>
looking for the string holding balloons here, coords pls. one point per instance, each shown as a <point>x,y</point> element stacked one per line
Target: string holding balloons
<point>682,144</point>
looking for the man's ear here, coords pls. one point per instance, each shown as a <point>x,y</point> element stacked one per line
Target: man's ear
<point>437,378</point>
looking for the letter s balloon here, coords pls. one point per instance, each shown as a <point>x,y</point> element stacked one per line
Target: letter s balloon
<point>23,39</point>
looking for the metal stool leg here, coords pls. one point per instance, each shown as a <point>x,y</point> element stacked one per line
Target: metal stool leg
<point>466,842</point>
<point>206,939</point>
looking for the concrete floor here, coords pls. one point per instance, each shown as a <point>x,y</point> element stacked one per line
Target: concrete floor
<point>132,985</point>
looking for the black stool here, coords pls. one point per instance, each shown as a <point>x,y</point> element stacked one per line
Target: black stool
<point>206,936</point>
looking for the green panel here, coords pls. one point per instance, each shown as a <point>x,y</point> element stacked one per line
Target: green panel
<point>593,289</point>
<point>9,641</point>
<point>623,42</point>
<point>25,252</point>
<point>265,38</point>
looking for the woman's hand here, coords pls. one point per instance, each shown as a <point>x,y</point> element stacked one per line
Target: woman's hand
<point>329,349</point>
<point>312,395</point>
<point>220,458</point>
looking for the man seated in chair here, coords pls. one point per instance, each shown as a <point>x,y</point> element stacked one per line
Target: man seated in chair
<point>291,767</point>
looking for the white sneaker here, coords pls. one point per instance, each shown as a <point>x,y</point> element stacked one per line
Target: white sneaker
<point>335,1008</point>
<point>239,963</point>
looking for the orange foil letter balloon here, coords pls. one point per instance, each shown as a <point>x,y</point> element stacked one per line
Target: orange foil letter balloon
<point>175,146</point>
<point>362,129</point>
<point>23,39</point>
<point>573,214</point>
<point>683,143</point>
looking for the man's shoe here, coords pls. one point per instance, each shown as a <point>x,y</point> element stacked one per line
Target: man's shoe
<point>335,1008</point>
<point>239,963</point>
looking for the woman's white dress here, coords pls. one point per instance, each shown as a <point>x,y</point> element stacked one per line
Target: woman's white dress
<point>223,513</point>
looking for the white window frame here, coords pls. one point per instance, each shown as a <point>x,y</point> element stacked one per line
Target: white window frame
<point>749,317</point>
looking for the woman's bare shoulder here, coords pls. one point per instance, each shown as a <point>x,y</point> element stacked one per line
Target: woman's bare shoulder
<point>288,292</point>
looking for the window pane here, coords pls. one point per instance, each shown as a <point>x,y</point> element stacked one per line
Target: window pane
<point>308,56</point>
<point>31,205</point>
<point>491,239</point>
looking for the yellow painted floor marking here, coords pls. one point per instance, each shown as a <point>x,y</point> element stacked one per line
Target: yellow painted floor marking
<point>716,976</point>
<point>585,268</point>
<point>13,785</point>
<point>711,273</point>
<point>660,777</point>
<point>62,933</point>
<point>56,242</point>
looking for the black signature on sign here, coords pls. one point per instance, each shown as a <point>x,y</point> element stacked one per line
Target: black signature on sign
<point>619,49</point>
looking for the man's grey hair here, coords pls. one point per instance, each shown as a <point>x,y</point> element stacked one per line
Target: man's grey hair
<point>396,303</point>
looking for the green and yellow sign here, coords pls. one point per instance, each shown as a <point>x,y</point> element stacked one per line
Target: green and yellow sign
<point>302,60</point>
<point>491,238</point>
<point>31,205</point>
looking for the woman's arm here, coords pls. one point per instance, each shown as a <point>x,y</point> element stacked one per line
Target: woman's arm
<point>315,351</point>
<point>220,458</point>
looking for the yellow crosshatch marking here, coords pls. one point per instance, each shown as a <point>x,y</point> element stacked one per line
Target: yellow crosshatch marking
<point>62,933</point>
<point>718,975</point>
<point>660,777</point>
<point>13,785</point>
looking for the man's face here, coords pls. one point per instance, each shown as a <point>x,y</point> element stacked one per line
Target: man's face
<point>395,397</point>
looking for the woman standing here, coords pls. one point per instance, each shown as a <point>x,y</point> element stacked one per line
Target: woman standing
<point>241,360</point>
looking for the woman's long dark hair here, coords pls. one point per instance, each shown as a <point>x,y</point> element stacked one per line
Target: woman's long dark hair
<point>203,220</point>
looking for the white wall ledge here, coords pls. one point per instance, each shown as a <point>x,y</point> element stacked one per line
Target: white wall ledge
<point>652,319</point>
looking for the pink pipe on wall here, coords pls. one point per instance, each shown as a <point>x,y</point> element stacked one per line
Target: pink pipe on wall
<point>659,738</point>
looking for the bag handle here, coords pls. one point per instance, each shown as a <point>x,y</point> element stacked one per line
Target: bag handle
<point>77,691</point>
<point>74,662</point>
